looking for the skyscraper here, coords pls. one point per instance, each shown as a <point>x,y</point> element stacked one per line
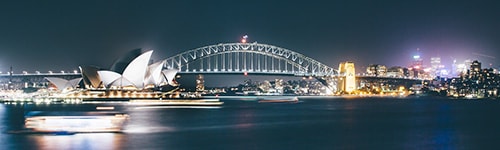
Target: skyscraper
<point>416,65</point>
<point>435,63</point>
<point>437,69</point>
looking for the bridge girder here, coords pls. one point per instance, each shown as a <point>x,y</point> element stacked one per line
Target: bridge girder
<point>306,66</point>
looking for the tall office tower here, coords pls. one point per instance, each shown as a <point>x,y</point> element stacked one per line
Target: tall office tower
<point>416,65</point>
<point>454,68</point>
<point>348,74</point>
<point>436,66</point>
<point>435,63</point>
<point>467,63</point>
<point>417,62</point>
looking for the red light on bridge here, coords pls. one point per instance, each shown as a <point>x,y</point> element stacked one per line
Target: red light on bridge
<point>245,73</point>
<point>244,39</point>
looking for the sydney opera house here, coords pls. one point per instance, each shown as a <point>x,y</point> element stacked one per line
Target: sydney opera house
<point>131,76</point>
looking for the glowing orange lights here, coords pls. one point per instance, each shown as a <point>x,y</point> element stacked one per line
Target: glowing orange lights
<point>244,39</point>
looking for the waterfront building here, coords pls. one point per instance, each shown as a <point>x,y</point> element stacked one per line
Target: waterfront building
<point>63,84</point>
<point>131,76</point>
<point>475,83</point>
<point>129,72</point>
<point>376,70</point>
<point>396,72</point>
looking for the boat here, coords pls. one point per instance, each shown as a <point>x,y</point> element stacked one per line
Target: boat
<point>74,121</point>
<point>176,102</point>
<point>278,99</point>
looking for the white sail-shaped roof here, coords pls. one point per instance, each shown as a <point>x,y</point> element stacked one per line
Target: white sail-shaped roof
<point>108,77</point>
<point>90,76</point>
<point>63,84</point>
<point>136,70</point>
<point>122,82</point>
<point>74,82</point>
<point>154,75</point>
<point>138,74</point>
<point>170,75</point>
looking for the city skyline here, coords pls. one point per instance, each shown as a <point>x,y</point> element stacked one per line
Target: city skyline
<point>61,35</point>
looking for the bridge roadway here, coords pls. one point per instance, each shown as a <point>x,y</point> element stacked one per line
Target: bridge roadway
<point>36,80</point>
<point>32,80</point>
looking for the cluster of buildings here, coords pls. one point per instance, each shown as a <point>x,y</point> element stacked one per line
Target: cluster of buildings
<point>418,70</point>
<point>475,83</point>
<point>304,86</point>
<point>472,81</point>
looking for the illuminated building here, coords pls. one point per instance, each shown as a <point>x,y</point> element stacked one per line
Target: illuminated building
<point>437,69</point>
<point>454,68</point>
<point>475,66</point>
<point>467,63</point>
<point>435,62</point>
<point>475,83</point>
<point>64,84</point>
<point>129,77</point>
<point>397,72</point>
<point>416,66</point>
<point>348,81</point>
<point>376,70</point>
<point>130,72</point>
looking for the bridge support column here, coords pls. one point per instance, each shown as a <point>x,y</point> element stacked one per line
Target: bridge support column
<point>330,82</point>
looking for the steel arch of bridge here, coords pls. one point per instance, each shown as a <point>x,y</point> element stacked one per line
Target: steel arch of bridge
<point>300,65</point>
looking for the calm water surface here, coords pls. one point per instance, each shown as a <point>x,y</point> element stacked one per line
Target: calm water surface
<point>313,123</point>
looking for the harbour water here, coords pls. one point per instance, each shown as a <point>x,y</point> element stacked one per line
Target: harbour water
<point>312,123</point>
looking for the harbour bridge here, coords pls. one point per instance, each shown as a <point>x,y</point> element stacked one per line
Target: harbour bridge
<point>226,58</point>
<point>255,58</point>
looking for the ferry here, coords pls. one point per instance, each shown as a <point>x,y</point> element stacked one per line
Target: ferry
<point>176,102</point>
<point>74,121</point>
<point>278,99</point>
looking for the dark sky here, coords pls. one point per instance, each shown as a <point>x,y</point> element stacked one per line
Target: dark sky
<point>61,35</point>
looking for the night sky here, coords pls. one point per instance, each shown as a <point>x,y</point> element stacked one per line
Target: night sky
<point>61,35</point>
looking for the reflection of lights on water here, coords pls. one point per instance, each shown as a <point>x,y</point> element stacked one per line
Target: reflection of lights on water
<point>105,108</point>
<point>78,141</point>
<point>147,129</point>
<point>160,107</point>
